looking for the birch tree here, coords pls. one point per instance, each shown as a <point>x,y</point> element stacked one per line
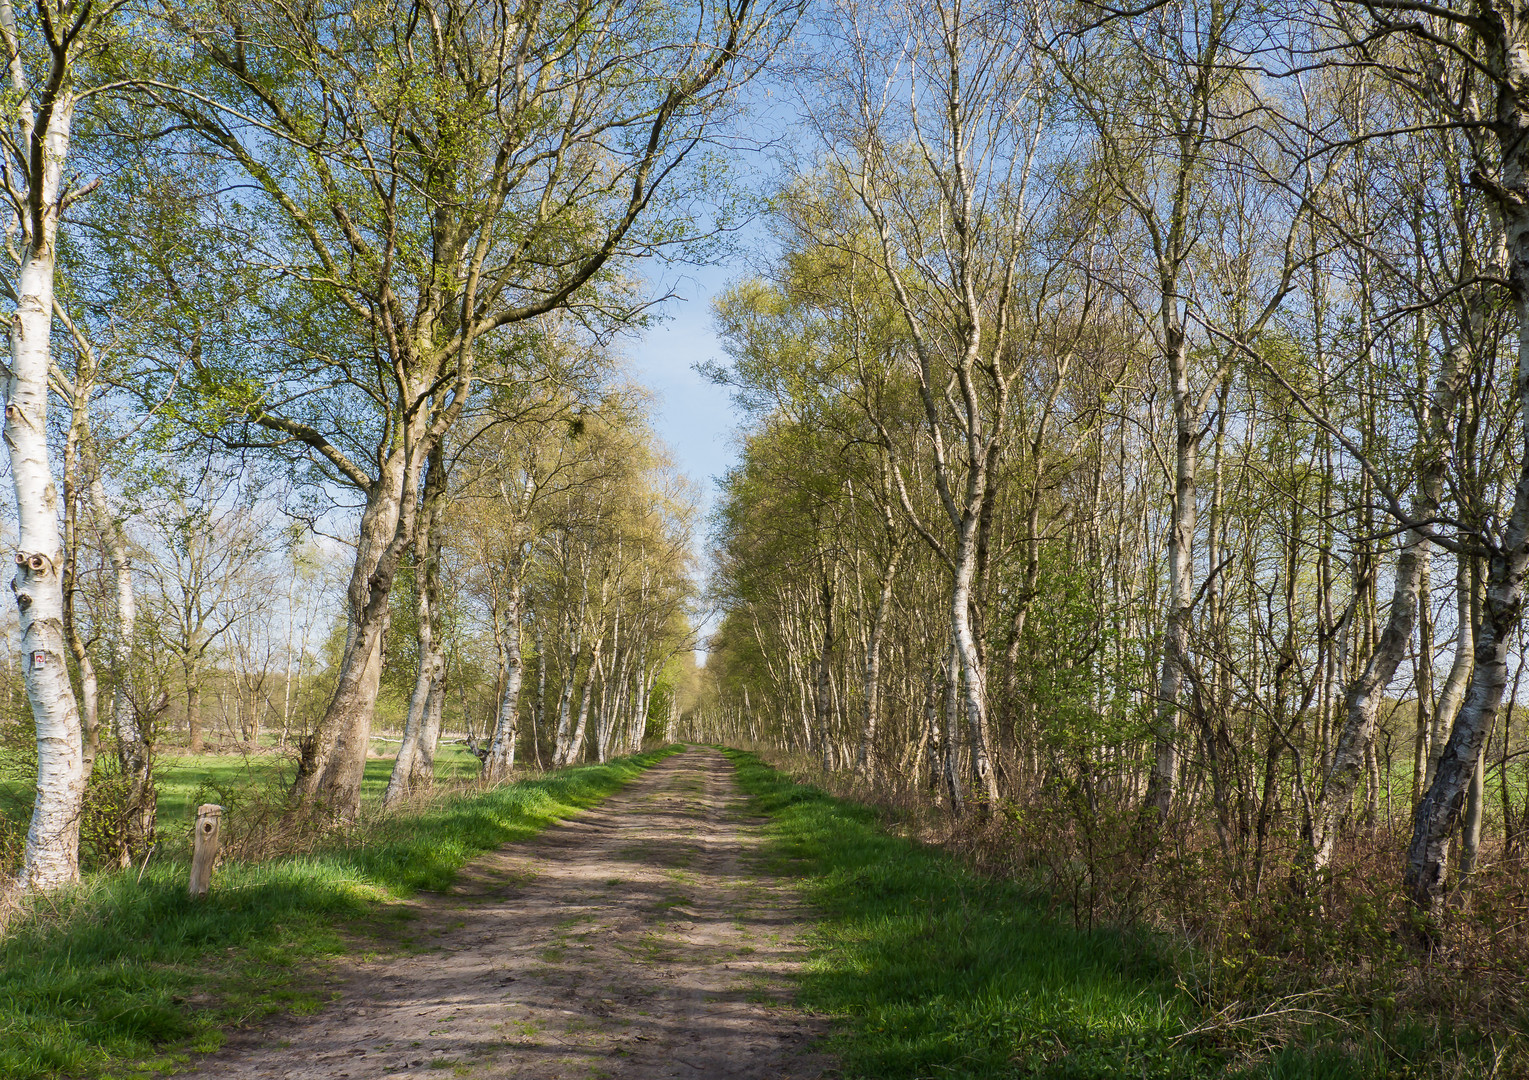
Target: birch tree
<point>44,50</point>
<point>933,121</point>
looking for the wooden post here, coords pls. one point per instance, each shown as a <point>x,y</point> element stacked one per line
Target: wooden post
<point>209,821</point>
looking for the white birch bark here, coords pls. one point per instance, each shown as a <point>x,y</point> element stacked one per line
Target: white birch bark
<point>39,144</point>
<point>501,752</point>
<point>1459,677</point>
<point>1355,745</point>
<point>133,750</point>
<point>334,754</point>
<point>539,711</point>
<point>1504,55</point>
<point>865,762</point>
<point>951,736</point>
<point>1165,772</point>
<point>409,770</point>
<point>576,739</point>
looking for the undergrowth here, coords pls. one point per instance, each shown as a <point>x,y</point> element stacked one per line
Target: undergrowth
<point>933,967</point>
<point>125,974</point>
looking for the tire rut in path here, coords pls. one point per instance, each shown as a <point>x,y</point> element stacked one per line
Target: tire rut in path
<point>634,942</point>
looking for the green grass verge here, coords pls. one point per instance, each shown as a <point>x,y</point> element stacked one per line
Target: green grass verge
<point>932,970</point>
<point>124,976</point>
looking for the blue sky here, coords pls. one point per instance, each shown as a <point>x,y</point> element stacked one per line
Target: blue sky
<point>694,417</point>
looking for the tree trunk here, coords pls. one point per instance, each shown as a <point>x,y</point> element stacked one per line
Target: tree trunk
<point>1165,772</point>
<point>865,763</point>
<point>952,733</point>
<point>576,740</point>
<point>1423,721</point>
<point>431,669</point>
<point>539,715</point>
<point>1475,810</point>
<point>430,733</point>
<point>334,755</point>
<point>194,708</point>
<point>562,747</point>
<point>133,750</point>
<point>89,698</point>
<point>972,670</point>
<point>400,781</point>
<point>822,701</point>
<point>1459,678</point>
<point>1356,741</point>
<point>52,854</point>
<point>1438,813</point>
<point>501,753</point>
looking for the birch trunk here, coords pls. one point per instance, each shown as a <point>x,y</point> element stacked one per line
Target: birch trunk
<point>430,733</point>
<point>1423,727</point>
<point>561,746</point>
<point>334,755</point>
<point>952,734</point>
<point>1475,810</point>
<point>822,703</point>
<point>501,753</point>
<point>1503,47</point>
<point>865,762</point>
<point>133,750</point>
<point>401,779</point>
<point>90,697</point>
<point>1438,813</point>
<point>640,717</point>
<point>1459,678</point>
<point>52,849</point>
<point>539,713</point>
<point>431,670</point>
<point>565,746</point>
<point>1165,771</point>
<point>1362,703</point>
<point>576,740</point>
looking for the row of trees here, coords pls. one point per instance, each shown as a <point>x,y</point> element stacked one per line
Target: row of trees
<point>1138,428</point>
<point>339,242</point>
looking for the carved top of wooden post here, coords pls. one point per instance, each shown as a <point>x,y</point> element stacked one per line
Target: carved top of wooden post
<point>209,824</point>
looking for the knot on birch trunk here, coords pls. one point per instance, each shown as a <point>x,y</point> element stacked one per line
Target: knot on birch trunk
<point>34,563</point>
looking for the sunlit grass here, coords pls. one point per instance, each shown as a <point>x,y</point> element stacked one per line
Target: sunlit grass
<point>126,973</point>
<point>931,970</point>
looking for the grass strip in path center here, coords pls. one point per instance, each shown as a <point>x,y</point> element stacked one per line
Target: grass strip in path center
<point>931,970</point>
<point>122,975</point>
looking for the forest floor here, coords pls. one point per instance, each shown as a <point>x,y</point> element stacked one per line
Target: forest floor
<point>639,940</point>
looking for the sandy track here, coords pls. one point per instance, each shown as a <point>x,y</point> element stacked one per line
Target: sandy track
<point>633,942</point>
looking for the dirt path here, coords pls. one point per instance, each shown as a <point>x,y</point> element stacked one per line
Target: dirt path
<point>633,942</point>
